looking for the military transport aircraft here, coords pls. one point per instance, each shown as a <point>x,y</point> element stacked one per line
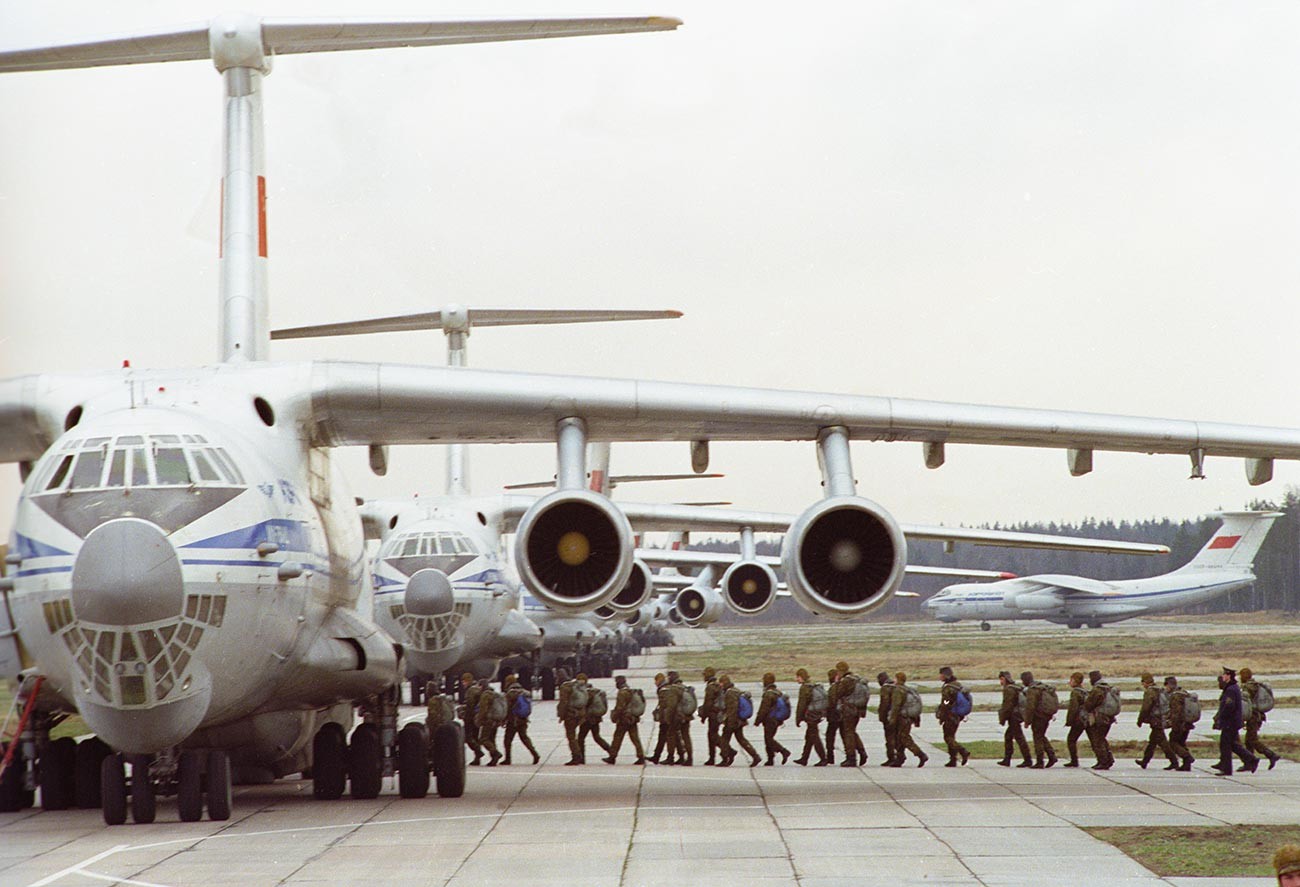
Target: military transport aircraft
<point>1223,565</point>
<point>187,565</point>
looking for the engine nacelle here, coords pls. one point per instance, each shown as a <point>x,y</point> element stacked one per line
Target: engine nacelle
<point>573,549</point>
<point>634,595</point>
<point>749,587</point>
<point>1038,601</point>
<point>699,605</point>
<point>674,616</point>
<point>429,593</point>
<point>844,557</point>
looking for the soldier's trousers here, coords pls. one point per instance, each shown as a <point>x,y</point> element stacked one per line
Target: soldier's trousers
<point>631,732</point>
<point>571,726</point>
<point>1253,742</point>
<point>1072,741</point>
<point>685,748</point>
<point>593,730</point>
<point>852,741</point>
<point>891,741</point>
<point>487,740</point>
<point>1042,745</point>
<point>516,728</point>
<point>1178,742</point>
<point>1100,745</point>
<point>770,745</point>
<point>1158,740</point>
<point>471,739</point>
<point>1230,744</point>
<point>832,731</point>
<point>904,743</point>
<point>1014,737</point>
<point>669,740</point>
<point>812,741</point>
<point>737,733</point>
<point>713,727</point>
<point>955,748</point>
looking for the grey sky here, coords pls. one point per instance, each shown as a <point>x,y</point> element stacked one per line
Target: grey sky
<point>1085,206</point>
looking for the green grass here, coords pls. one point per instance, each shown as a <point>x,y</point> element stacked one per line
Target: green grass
<point>73,726</point>
<point>1229,851</point>
<point>1285,744</point>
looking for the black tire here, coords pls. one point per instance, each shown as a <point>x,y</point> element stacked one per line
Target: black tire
<point>417,691</point>
<point>144,803</point>
<point>365,763</point>
<point>449,760</point>
<point>329,768</point>
<point>218,782</point>
<point>89,761</point>
<point>189,786</point>
<point>413,761</point>
<point>112,789</point>
<point>58,774</point>
<point>11,781</point>
<point>548,684</point>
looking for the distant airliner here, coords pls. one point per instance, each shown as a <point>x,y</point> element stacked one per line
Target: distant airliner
<point>1223,565</point>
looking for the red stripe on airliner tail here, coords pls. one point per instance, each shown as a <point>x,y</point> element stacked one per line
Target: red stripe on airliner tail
<point>1225,542</point>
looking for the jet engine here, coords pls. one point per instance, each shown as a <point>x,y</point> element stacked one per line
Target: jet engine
<point>748,587</point>
<point>699,605</point>
<point>843,557</point>
<point>573,549</point>
<point>637,591</point>
<point>429,593</point>
<point>674,616</point>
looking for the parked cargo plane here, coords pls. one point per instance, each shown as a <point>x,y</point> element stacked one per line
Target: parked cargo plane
<point>187,566</point>
<point>1223,565</point>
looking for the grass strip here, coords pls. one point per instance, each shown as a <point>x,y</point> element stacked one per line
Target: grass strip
<point>1223,851</point>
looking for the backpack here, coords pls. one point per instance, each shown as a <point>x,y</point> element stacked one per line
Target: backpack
<point>818,703</point>
<point>523,707</point>
<point>1162,709</point>
<point>578,694</point>
<point>441,710</point>
<point>858,697</point>
<point>1022,704</point>
<point>911,703</point>
<point>636,705</point>
<point>1110,705</point>
<point>962,705</point>
<point>496,709</point>
<point>1191,708</point>
<point>686,702</point>
<point>1048,702</point>
<point>1247,707</point>
<point>597,703</point>
<point>1263,697</point>
<point>719,704</point>
<point>745,707</point>
<point>781,709</point>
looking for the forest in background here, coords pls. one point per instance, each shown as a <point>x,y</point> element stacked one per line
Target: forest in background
<point>1277,565</point>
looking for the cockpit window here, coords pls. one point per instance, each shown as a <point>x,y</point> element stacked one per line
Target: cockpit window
<point>172,469</point>
<point>90,465</point>
<point>136,460</point>
<point>427,544</point>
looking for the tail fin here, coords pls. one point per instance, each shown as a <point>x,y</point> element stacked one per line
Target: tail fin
<point>1236,543</point>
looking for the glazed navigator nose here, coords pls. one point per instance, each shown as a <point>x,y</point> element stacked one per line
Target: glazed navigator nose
<point>127,573</point>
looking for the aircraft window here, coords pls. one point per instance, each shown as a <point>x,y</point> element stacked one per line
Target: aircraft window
<point>95,442</point>
<point>203,463</point>
<point>463,545</point>
<point>229,465</point>
<point>130,439</point>
<point>60,473</point>
<point>172,468</point>
<point>412,547</point>
<point>165,438</point>
<point>139,469</point>
<point>90,466</point>
<point>117,469</point>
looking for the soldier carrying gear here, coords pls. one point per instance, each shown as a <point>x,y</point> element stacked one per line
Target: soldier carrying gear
<point>1179,725</point>
<point>516,721</point>
<point>882,712</point>
<point>733,725</point>
<point>1074,717</point>
<point>768,719</point>
<point>1261,703</point>
<point>629,706</point>
<point>832,715</point>
<point>1155,714</point>
<point>948,715</point>
<point>1099,715</point>
<point>682,720</point>
<point>1229,721</point>
<point>594,713</point>
<point>711,713</point>
<point>570,709</point>
<point>1011,714</point>
<point>904,714</point>
<point>469,715</point>
<point>1040,707</point>
<point>491,713</point>
<point>809,711</point>
<point>850,697</point>
<point>670,698</point>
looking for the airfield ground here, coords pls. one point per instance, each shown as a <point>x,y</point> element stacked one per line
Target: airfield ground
<point>627,825</point>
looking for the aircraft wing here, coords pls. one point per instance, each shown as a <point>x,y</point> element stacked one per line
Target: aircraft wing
<point>667,558</point>
<point>1072,585</point>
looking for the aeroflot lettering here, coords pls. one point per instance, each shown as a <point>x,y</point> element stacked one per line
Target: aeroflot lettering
<point>1225,542</point>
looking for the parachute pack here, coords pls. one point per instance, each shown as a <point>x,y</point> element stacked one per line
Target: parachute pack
<point>1048,702</point>
<point>597,703</point>
<point>1162,708</point>
<point>1191,707</point>
<point>745,707</point>
<point>523,707</point>
<point>1247,707</point>
<point>686,702</point>
<point>1110,704</point>
<point>441,710</point>
<point>1263,697</point>
<point>962,705</point>
<point>818,703</point>
<point>495,713</point>
<point>578,694</point>
<point>781,709</point>
<point>858,696</point>
<point>911,703</point>
<point>636,705</point>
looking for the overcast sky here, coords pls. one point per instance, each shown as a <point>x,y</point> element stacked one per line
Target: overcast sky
<point>1083,206</point>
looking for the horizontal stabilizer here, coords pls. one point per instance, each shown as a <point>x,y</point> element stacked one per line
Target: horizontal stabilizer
<point>470,317</point>
<point>289,36</point>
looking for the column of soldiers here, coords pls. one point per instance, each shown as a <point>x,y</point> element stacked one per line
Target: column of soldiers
<point>1167,710</point>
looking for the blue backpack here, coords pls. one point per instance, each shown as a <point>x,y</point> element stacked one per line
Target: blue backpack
<point>745,708</point>
<point>961,706</point>
<point>523,706</point>
<point>781,709</point>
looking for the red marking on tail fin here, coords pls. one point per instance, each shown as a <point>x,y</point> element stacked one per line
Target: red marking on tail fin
<point>1225,542</point>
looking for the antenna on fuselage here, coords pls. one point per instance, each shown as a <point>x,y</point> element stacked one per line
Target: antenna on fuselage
<point>242,47</point>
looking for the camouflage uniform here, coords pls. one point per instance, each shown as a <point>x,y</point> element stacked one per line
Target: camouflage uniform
<point>1151,715</point>
<point>733,728</point>
<point>901,725</point>
<point>1075,720</point>
<point>590,726</point>
<point>950,721</point>
<point>882,712</point>
<point>571,719</point>
<point>625,724</point>
<point>769,724</point>
<point>855,754</point>
<point>469,717</point>
<point>812,739</point>
<point>832,715</point>
<point>1035,692</point>
<point>1249,688</point>
<point>682,725</point>
<point>1098,724</point>
<point>487,724</point>
<point>667,715</point>
<point>711,714</point>
<point>1179,729</point>
<point>515,725</point>
<point>1010,714</point>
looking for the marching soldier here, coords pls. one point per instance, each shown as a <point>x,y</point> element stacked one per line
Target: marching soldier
<point>591,719</point>
<point>711,713</point>
<point>1035,694</point>
<point>1229,721</point>
<point>569,713</point>
<point>625,720</point>
<point>901,725</point>
<point>732,726</point>
<point>517,725</point>
<point>882,712</point>
<point>1179,726</point>
<point>1098,720</point>
<point>1010,715</point>
<point>487,721</point>
<point>469,715</point>
<point>1154,712</point>
<point>850,712</point>
<point>682,724</point>
<point>832,715</point>
<point>765,719</point>
<point>1075,717</point>
<point>669,696</point>
<point>1250,689</point>
<point>947,716</point>
<point>812,738</point>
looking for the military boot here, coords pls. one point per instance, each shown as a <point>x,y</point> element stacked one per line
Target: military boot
<point>824,762</point>
<point>1025,763</point>
<point>965,756</point>
<point>496,756</point>
<point>1038,763</point>
<point>1051,759</point>
<point>952,761</point>
<point>1073,762</point>
<point>802,762</point>
<point>1187,765</point>
<point>1142,762</point>
<point>1273,759</point>
<point>924,758</point>
<point>1005,762</point>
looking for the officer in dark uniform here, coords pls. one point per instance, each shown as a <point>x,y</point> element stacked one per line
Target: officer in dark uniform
<point>882,713</point>
<point>1010,715</point>
<point>1228,722</point>
<point>1155,708</point>
<point>949,719</point>
<point>812,738</point>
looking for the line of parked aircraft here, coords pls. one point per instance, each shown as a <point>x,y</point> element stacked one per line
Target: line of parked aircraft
<point>188,569</point>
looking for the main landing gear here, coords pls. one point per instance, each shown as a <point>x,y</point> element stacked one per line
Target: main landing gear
<point>194,776</point>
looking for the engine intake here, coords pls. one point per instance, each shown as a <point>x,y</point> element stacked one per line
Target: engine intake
<point>574,550</point>
<point>749,587</point>
<point>699,606</point>
<point>637,591</point>
<point>844,557</point>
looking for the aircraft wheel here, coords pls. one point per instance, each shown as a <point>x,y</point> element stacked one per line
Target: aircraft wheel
<point>984,626</point>
<point>1075,624</point>
<point>366,762</point>
<point>218,793</point>
<point>58,773</point>
<point>11,782</point>
<point>413,761</point>
<point>449,760</point>
<point>144,803</point>
<point>417,694</point>
<point>1094,625</point>
<point>112,789</point>
<point>329,768</point>
<point>189,786</point>
<point>88,762</point>
<point>548,684</point>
